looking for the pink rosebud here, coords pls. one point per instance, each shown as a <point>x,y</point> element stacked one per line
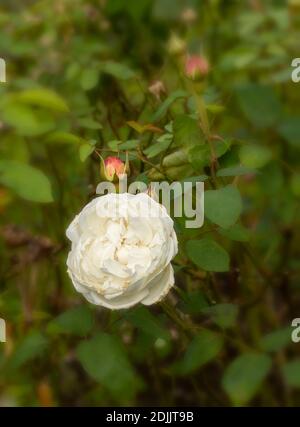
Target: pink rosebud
<point>112,167</point>
<point>196,67</point>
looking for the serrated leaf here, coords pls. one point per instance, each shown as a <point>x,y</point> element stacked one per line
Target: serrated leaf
<point>208,255</point>
<point>223,206</point>
<point>243,377</point>
<point>27,181</point>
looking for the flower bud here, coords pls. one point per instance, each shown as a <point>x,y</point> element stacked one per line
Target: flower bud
<point>112,168</point>
<point>196,67</point>
<point>157,88</point>
<point>176,46</point>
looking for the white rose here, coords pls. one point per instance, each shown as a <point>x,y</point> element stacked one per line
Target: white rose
<point>122,247</point>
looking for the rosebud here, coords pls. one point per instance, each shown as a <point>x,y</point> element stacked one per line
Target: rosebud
<point>112,168</point>
<point>196,67</point>
<point>176,46</point>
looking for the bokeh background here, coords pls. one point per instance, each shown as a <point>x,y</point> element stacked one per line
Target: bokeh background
<point>77,72</point>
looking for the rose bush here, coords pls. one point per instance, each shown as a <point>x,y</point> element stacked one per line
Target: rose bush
<point>122,247</point>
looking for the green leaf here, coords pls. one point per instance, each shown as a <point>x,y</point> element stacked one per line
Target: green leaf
<point>224,315</point>
<point>28,182</point>
<point>208,255</point>
<point>89,123</point>
<point>89,78</point>
<point>235,171</point>
<point>142,318</point>
<point>244,376</point>
<point>259,104</point>
<point>295,184</point>
<point>45,98</point>
<point>276,340</point>
<point>186,131</point>
<point>60,137</point>
<point>105,360</point>
<point>76,321</point>
<point>236,232</point>
<point>223,206</point>
<point>194,302</point>
<point>85,150</point>
<point>117,70</point>
<point>161,145</point>
<point>167,103</point>
<point>25,120</point>
<point>204,347</point>
<point>254,156</point>
<point>178,158</point>
<point>200,155</point>
<point>289,129</point>
<point>131,144</point>
<point>291,373</point>
<point>32,346</point>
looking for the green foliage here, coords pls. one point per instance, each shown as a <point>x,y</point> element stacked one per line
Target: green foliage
<point>208,255</point>
<point>204,347</point>
<point>291,373</point>
<point>244,376</point>
<point>31,347</point>
<point>259,104</point>
<point>276,340</point>
<point>224,315</point>
<point>27,181</point>
<point>105,360</point>
<point>75,321</point>
<point>223,207</point>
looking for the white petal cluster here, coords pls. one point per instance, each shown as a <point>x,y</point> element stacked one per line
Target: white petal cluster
<point>122,247</point>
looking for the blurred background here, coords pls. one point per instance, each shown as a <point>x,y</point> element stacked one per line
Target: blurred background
<point>96,76</point>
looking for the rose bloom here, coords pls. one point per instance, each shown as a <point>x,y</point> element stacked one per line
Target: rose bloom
<point>122,247</point>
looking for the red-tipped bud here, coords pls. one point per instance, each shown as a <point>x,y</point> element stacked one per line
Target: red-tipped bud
<point>112,168</point>
<point>196,67</point>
